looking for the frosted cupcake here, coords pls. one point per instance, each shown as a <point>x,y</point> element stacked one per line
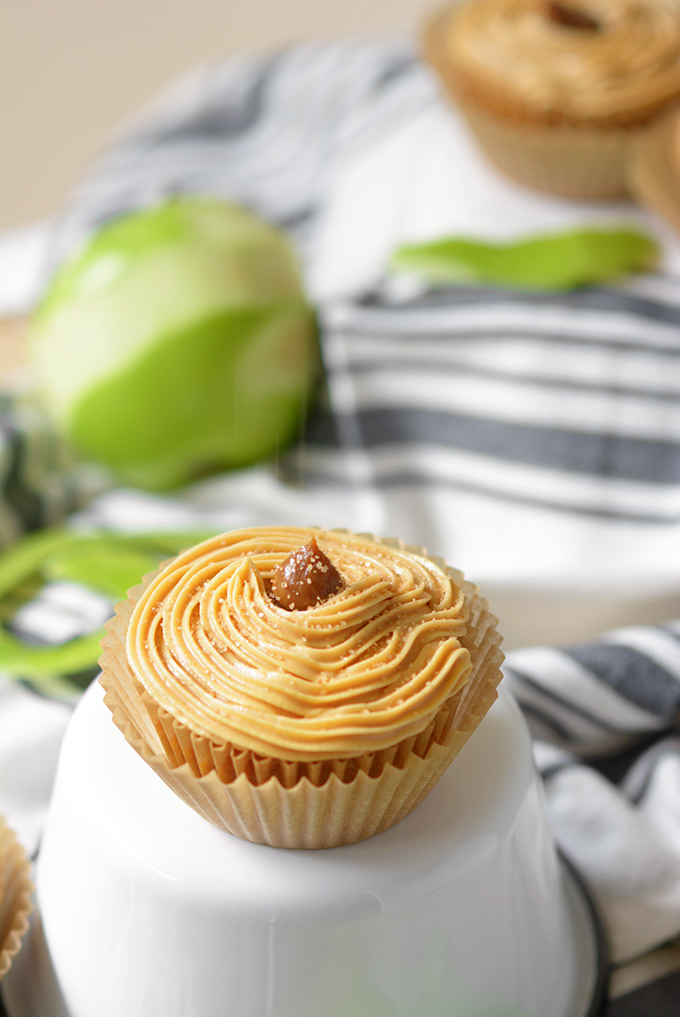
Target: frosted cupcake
<point>16,889</point>
<point>301,687</point>
<point>555,93</point>
<point>654,173</point>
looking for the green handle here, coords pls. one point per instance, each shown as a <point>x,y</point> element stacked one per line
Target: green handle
<point>550,261</point>
<point>108,563</point>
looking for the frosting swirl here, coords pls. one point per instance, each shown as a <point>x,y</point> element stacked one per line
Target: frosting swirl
<point>625,71</point>
<point>356,673</point>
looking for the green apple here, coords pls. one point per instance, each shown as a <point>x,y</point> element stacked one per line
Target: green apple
<point>177,342</point>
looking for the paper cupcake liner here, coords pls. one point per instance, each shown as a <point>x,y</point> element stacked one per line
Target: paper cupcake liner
<point>543,150</point>
<point>584,163</point>
<point>291,804</point>
<point>654,170</point>
<point>16,890</point>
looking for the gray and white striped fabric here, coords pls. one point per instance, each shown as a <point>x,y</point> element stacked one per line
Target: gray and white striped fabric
<point>597,698</point>
<point>557,417</point>
<point>39,481</point>
<point>605,716</point>
<point>268,131</point>
<point>533,440</point>
<point>579,393</point>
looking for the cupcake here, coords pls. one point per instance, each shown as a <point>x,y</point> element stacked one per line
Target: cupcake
<point>16,889</point>
<point>555,93</point>
<point>654,173</point>
<point>301,687</point>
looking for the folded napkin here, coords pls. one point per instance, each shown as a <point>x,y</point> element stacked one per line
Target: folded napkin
<point>605,717</point>
<point>270,132</point>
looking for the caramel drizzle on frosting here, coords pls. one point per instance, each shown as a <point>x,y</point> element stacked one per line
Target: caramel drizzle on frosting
<point>355,673</point>
<point>631,64</point>
<point>571,17</point>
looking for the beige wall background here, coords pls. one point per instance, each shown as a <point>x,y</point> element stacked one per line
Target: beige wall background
<point>72,70</point>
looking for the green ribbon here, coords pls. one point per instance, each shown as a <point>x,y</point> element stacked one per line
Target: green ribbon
<point>107,563</point>
<point>549,261</point>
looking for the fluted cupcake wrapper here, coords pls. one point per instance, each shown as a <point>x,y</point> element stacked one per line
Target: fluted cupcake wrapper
<point>301,804</point>
<point>654,171</point>
<point>16,889</point>
<point>541,150</point>
<point>586,163</point>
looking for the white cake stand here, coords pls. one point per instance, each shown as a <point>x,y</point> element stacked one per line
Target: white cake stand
<point>146,910</point>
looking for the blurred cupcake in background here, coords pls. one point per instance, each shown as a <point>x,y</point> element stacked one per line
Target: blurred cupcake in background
<point>556,93</point>
<point>654,175</point>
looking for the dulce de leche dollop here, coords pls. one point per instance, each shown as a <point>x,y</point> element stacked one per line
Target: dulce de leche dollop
<point>366,660</point>
<point>306,578</point>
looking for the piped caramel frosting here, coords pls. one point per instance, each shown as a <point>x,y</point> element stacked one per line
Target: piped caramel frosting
<point>359,671</point>
<point>624,68</point>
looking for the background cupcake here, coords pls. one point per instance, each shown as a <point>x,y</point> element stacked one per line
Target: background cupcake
<point>556,92</point>
<point>293,723</point>
<point>654,172</point>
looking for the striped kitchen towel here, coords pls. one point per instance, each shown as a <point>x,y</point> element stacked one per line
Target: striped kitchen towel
<point>40,483</point>
<point>269,131</point>
<point>533,438</point>
<point>605,717</point>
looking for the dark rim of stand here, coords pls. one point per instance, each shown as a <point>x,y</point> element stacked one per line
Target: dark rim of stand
<point>600,991</point>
